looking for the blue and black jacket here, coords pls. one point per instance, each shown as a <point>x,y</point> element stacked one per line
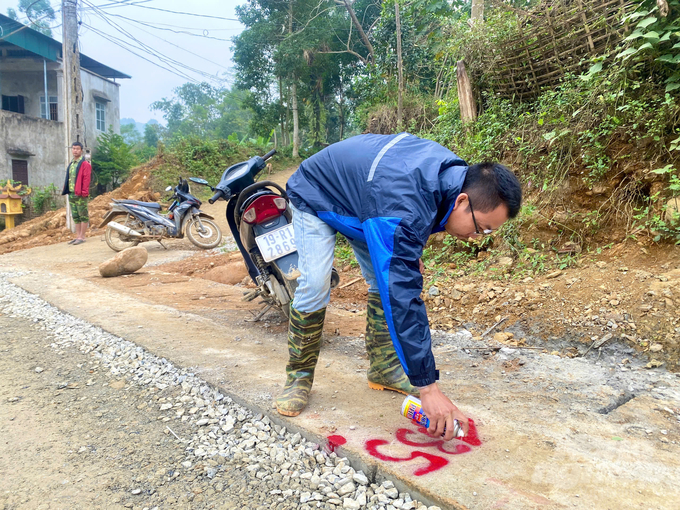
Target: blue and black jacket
<point>392,192</point>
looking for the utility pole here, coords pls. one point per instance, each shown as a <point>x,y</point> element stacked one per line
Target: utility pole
<point>73,90</point>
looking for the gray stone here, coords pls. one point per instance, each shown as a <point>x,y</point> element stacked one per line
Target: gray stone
<point>348,488</point>
<point>360,478</point>
<point>126,262</point>
<point>350,504</point>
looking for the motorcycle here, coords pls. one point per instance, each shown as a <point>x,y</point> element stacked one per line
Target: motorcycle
<point>130,222</point>
<point>260,220</point>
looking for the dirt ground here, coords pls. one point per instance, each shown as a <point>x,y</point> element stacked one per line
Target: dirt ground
<point>555,431</point>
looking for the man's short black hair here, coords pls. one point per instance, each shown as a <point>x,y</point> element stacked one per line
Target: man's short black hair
<point>77,144</point>
<point>492,184</point>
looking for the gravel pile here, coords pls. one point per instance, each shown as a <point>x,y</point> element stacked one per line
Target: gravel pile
<point>285,469</point>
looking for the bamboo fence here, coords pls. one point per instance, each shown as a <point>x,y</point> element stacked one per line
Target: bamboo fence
<point>555,38</point>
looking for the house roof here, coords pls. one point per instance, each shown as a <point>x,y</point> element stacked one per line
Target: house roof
<point>24,37</point>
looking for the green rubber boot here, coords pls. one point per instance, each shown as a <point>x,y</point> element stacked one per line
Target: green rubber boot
<point>385,372</point>
<point>304,344</point>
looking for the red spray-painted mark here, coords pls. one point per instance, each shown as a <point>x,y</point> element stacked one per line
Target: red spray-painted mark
<point>435,461</point>
<point>472,438</point>
<point>335,441</point>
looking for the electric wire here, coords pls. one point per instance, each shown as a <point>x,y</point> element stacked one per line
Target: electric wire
<point>173,63</point>
<point>204,34</point>
<point>125,4</point>
<point>180,47</point>
<point>121,45</point>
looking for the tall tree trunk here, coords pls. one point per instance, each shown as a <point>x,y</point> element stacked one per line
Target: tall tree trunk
<point>477,11</point>
<point>468,109</point>
<point>362,34</point>
<point>400,93</point>
<point>281,115</point>
<point>296,124</point>
<point>293,93</point>
<point>341,111</point>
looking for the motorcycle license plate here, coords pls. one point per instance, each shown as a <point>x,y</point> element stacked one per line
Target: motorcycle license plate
<point>277,243</point>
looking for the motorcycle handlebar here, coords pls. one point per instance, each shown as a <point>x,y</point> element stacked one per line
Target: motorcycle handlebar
<point>218,194</point>
<point>269,154</point>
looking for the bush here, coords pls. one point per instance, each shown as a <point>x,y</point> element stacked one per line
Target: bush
<point>45,198</point>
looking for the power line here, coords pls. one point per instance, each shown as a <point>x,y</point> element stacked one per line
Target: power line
<point>178,46</point>
<point>148,49</point>
<point>204,35</point>
<point>122,45</point>
<point>142,46</point>
<point>125,4</point>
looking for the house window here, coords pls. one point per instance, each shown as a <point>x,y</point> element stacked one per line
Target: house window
<point>13,103</point>
<point>100,109</point>
<point>20,171</point>
<point>53,108</point>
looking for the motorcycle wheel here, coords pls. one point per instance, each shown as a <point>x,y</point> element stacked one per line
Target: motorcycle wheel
<point>209,237</point>
<point>118,241</point>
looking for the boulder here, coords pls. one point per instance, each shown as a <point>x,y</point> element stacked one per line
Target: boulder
<point>230,274</point>
<point>672,214</point>
<point>126,262</point>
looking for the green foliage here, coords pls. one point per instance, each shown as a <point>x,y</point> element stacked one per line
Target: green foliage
<point>39,14</point>
<point>655,41</point>
<point>112,161</point>
<point>344,253</point>
<point>193,156</point>
<point>151,135</point>
<point>673,178</point>
<point>44,198</point>
<point>201,110</point>
<point>130,134</point>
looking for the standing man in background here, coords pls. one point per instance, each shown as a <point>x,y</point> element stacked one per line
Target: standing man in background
<point>77,187</point>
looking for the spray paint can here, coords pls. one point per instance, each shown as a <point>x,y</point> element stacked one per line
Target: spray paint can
<point>412,408</point>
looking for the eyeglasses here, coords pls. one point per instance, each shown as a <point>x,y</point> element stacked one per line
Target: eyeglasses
<point>485,232</point>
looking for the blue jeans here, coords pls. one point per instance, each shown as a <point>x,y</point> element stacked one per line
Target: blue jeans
<point>315,241</point>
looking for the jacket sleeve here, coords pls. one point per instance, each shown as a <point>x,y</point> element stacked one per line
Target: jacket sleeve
<point>395,249</point>
<point>86,168</point>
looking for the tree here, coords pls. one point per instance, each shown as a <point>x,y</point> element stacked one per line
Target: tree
<point>39,14</point>
<point>151,135</point>
<point>112,160</point>
<point>205,111</point>
<point>130,134</point>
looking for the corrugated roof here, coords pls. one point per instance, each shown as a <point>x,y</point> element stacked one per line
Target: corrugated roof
<point>20,35</point>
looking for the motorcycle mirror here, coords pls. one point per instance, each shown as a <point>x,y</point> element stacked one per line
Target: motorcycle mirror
<point>168,188</point>
<point>199,181</point>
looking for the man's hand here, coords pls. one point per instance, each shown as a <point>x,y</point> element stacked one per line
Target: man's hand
<point>421,266</point>
<point>441,412</point>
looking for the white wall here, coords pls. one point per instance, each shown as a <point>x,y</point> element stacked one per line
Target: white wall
<point>98,89</point>
<point>39,141</point>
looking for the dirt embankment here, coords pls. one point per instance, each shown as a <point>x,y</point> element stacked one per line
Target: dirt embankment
<point>50,228</point>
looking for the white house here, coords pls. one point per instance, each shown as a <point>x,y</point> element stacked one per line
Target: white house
<point>32,131</point>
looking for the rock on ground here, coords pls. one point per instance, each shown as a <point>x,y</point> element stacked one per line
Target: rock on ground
<point>126,262</point>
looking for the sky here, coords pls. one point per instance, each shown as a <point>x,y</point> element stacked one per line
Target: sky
<point>149,83</point>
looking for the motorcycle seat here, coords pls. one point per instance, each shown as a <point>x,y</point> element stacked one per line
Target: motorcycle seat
<point>150,205</point>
